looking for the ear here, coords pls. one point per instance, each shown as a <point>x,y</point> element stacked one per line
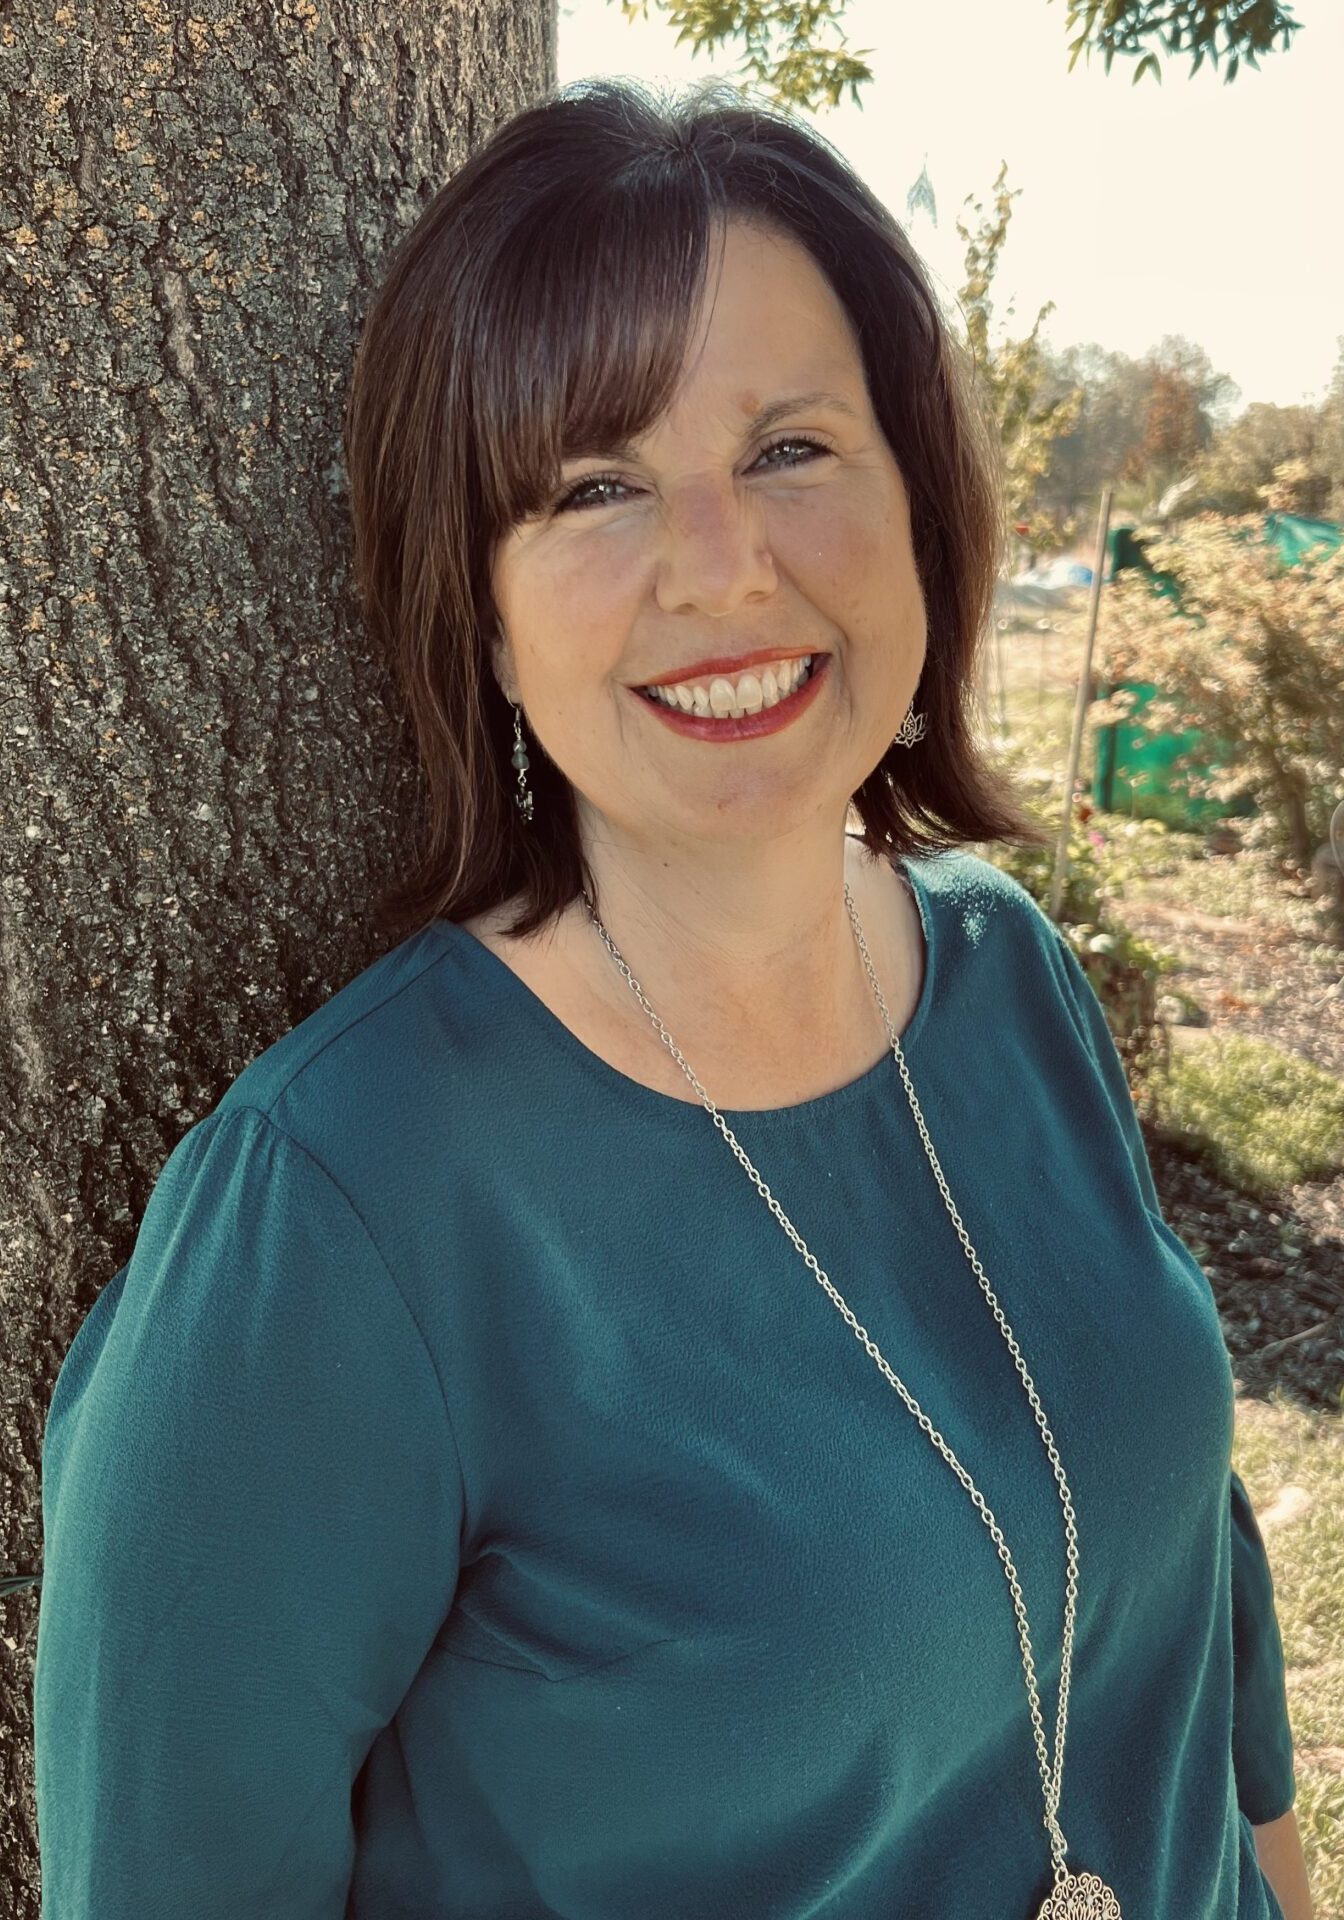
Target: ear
<point>501,663</point>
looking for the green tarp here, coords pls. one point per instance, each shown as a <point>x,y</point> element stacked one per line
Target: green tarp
<point>1148,773</point>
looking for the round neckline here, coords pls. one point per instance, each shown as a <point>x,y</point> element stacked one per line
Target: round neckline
<point>489,966</point>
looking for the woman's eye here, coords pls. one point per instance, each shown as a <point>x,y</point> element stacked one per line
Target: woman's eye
<point>796,440</point>
<point>575,495</point>
<point>579,496</point>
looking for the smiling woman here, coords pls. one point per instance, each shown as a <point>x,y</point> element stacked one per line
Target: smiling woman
<point>803,566</point>
<point>494,1515</point>
<point>643,389</point>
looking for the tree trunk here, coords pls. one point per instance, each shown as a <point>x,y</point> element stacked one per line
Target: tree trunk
<point>203,773</point>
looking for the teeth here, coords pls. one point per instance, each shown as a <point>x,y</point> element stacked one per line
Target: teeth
<point>726,699</point>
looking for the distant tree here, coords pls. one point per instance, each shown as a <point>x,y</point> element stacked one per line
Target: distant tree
<point>1173,432</point>
<point>784,57</point>
<point>1142,422</point>
<point>1235,472</point>
<point>1109,428</point>
<point>1216,392</point>
<point>1185,406</point>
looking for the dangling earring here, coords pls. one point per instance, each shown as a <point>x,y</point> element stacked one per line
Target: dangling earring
<point>523,797</point>
<point>912,728</point>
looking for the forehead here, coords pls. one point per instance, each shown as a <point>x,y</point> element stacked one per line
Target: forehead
<point>767,314</point>
<point>758,408</point>
<point>770,339</point>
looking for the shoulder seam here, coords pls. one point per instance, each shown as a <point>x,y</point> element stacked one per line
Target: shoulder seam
<point>435,959</point>
<point>241,1107</point>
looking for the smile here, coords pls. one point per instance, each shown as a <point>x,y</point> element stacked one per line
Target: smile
<point>742,706</point>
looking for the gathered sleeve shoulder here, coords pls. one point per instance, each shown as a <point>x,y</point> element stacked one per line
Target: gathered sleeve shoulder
<point>1262,1743</point>
<point>1091,1022</point>
<point>252,1508</point>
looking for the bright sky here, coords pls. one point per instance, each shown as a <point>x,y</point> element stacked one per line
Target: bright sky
<point>1192,207</point>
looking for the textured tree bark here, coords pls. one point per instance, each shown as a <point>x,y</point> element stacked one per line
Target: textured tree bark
<point>203,773</point>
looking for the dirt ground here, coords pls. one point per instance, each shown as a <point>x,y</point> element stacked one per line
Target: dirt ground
<point>1277,1272</point>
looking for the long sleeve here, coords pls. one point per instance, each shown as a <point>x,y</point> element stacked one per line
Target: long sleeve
<point>251,1507</point>
<point>1101,1044</point>
<point>1262,1742</point>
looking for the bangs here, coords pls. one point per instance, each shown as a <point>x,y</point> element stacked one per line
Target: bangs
<point>587,328</point>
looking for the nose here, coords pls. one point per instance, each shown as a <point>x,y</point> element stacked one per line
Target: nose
<point>714,551</point>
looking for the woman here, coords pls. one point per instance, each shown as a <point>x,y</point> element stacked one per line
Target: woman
<point>468,1500</point>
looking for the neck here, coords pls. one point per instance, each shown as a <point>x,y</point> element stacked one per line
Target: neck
<point>744,951</point>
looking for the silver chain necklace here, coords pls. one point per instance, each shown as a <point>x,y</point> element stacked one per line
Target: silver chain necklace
<point>1075,1896</point>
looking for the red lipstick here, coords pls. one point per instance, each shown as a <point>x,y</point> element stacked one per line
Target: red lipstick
<point>769,720</point>
<point>729,664</point>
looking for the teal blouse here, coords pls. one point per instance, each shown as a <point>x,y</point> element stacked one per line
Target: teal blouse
<point>466,1503</point>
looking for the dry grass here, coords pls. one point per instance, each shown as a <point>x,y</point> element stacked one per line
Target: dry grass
<point>1292,1463</point>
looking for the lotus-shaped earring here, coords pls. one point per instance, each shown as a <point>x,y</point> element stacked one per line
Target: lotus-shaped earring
<point>912,728</point>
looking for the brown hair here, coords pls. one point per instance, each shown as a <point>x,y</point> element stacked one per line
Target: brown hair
<point>542,302</point>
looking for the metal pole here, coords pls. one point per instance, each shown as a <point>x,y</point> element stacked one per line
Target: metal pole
<point>1080,707</point>
<point>1040,676</point>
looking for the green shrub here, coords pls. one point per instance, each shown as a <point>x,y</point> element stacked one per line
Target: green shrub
<point>1262,1117</point>
<point>1246,650</point>
<point>1124,971</point>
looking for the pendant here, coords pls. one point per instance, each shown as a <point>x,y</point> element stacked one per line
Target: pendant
<point>1081,1896</point>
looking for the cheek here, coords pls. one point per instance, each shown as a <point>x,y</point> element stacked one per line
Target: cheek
<point>855,542</point>
<point>858,565</point>
<point>599,570</point>
<point>571,617</point>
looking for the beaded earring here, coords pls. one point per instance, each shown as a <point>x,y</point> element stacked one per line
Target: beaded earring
<point>523,797</point>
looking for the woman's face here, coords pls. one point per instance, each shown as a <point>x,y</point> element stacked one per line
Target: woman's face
<point>711,540</point>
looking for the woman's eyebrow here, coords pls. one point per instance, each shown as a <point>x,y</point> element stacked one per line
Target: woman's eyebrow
<point>765,417</point>
<point>797,403</point>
